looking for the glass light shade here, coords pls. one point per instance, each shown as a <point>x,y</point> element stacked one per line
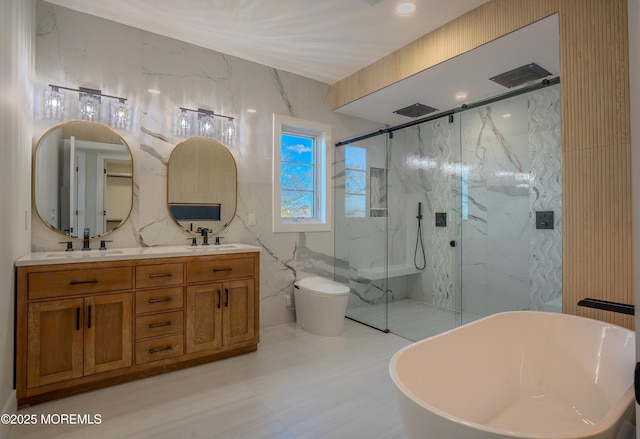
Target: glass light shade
<point>53,104</point>
<point>229,132</point>
<point>206,125</point>
<point>119,117</point>
<point>89,107</point>
<point>183,124</point>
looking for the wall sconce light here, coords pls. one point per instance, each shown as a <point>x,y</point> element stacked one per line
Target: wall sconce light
<point>229,131</point>
<point>209,125</point>
<point>119,117</point>
<point>90,103</point>
<point>53,103</point>
<point>206,123</point>
<point>183,123</point>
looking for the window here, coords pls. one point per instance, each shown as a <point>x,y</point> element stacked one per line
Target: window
<point>355,188</point>
<point>302,158</point>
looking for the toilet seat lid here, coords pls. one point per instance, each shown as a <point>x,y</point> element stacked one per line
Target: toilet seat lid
<point>321,285</point>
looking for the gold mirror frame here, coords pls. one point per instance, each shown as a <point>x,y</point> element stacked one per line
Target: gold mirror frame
<point>202,182</point>
<point>92,139</point>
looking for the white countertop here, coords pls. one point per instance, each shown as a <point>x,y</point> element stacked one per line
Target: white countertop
<point>117,254</point>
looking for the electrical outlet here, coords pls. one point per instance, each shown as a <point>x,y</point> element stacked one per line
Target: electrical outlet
<point>251,220</point>
<point>544,219</point>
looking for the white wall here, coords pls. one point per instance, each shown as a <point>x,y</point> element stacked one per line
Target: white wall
<point>16,103</point>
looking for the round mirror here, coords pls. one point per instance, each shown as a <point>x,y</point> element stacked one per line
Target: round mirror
<point>82,179</point>
<point>201,185</point>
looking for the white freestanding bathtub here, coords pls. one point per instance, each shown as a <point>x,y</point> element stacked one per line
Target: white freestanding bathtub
<point>522,374</point>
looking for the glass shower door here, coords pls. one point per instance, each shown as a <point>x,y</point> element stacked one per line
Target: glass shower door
<point>361,228</point>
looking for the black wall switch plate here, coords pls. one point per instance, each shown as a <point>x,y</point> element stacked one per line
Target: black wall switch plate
<point>544,219</point>
<point>441,219</point>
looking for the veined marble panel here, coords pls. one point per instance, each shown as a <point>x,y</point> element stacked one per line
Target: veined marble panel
<point>545,261</point>
<point>75,49</point>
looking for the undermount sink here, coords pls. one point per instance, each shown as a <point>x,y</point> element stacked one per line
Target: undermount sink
<point>212,247</point>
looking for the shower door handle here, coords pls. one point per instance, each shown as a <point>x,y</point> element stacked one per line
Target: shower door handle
<point>453,243</point>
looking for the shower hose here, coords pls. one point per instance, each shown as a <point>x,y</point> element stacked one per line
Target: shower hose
<point>421,244</point>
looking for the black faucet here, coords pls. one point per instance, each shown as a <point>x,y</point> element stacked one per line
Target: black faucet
<point>85,241</point>
<point>204,232</point>
<point>218,238</point>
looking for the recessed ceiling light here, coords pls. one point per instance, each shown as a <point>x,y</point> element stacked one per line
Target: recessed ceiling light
<point>406,8</point>
<point>506,115</point>
<point>251,110</point>
<point>154,91</point>
<point>461,96</point>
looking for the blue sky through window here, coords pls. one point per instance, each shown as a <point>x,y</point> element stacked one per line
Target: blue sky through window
<point>297,176</point>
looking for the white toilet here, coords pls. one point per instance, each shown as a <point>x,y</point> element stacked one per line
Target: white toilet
<point>321,305</point>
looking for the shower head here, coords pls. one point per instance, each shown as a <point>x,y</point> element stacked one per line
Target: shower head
<point>415,110</point>
<point>520,75</point>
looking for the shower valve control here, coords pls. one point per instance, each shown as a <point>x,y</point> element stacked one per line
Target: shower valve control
<point>441,219</point>
<point>453,243</point>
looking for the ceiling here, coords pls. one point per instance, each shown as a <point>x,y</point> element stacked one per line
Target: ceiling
<point>468,73</point>
<point>326,40</point>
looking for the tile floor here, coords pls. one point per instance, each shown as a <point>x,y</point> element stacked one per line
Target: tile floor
<point>297,385</point>
<point>411,318</point>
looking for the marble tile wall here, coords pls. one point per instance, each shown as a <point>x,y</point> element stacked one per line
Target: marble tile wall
<point>75,49</point>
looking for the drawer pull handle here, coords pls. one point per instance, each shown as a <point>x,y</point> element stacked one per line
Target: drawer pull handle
<point>153,276</point>
<point>159,325</point>
<point>216,270</point>
<point>164,299</point>
<point>80,282</point>
<point>155,351</point>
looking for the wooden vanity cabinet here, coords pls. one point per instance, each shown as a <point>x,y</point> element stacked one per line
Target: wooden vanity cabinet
<point>71,338</point>
<point>82,326</point>
<point>220,314</point>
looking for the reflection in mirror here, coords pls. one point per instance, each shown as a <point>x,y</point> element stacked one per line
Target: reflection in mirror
<point>83,178</point>
<point>201,185</point>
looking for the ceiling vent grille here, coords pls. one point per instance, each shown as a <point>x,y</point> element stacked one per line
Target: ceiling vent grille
<point>521,75</point>
<point>415,110</point>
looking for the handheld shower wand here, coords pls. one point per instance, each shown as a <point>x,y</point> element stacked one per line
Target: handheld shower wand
<point>419,240</point>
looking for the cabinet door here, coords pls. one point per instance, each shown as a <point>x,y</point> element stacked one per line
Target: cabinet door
<point>204,311</point>
<point>55,337</point>
<point>238,312</point>
<point>108,334</point>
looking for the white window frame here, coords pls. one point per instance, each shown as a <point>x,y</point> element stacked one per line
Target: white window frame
<point>323,221</point>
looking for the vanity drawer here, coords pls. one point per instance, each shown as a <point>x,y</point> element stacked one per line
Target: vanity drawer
<point>219,269</point>
<point>159,275</point>
<point>159,300</point>
<point>156,325</point>
<point>47,284</point>
<point>159,348</point>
